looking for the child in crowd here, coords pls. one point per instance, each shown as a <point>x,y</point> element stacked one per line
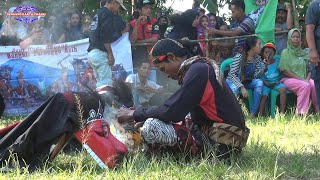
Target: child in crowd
<point>213,20</point>
<point>37,36</point>
<point>203,26</point>
<point>221,50</point>
<point>226,45</point>
<point>271,78</point>
<point>142,88</point>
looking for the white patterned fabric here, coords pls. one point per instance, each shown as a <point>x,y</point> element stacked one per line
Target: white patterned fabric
<point>155,131</point>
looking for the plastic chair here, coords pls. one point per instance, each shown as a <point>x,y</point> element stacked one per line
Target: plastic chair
<point>223,66</point>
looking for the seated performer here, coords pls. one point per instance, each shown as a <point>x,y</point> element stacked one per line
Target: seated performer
<point>214,110</point>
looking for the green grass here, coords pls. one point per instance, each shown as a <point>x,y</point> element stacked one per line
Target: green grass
<point>287,147</point>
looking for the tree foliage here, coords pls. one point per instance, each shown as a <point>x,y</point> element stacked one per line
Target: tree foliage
<point>82,6</point>
<point>90,6</point>
<point>216,5</point>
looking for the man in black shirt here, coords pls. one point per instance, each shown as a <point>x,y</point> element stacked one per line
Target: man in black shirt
<point>214,111</point>
<point>106,27</point>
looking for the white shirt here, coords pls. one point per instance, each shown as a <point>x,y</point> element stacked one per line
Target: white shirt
<point>140,96</point>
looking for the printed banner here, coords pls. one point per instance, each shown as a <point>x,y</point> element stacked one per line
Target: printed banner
<point>29,76</point>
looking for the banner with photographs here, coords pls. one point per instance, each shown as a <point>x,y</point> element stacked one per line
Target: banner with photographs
<point>29,76</point>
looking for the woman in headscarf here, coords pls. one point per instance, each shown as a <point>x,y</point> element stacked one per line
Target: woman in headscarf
<point>185,26</point>
<point>12,31</point>
<point>296,76</point>
<point>215,112</point>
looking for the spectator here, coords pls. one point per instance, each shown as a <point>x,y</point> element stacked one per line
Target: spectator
<point>202,93</point>
<point>271,78</point>
<point>86,25</point>
<point>106,27</point>
<point>185,26</point>
<point>216,21</point>
<point>221,50</point>
<point>195,4</point>
<point>12,31</point>
<point>295,68</point>
<point>143,30</point>
<point>51,26</point>
<point>202,29</point>
<point>284,21</point>
<point>213,20</point>
<point>173,19</point>
<point>73,31</point>
<point>142,88</point>
<point>37,36</point>
<point>313,38</point>
<point>163,22</point>
<point>62,19</point>
<point>41,21</point>
<point>243,25</point>
<point>201,12</point>
<point>245,72</point>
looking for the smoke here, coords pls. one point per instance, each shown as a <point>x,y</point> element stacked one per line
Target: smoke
<point>55,23</point>
<point>58,10</point>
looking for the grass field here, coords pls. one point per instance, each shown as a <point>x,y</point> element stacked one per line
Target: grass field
<point>287,147</point>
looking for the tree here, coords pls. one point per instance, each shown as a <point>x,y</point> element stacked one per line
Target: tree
<point>82,6</point>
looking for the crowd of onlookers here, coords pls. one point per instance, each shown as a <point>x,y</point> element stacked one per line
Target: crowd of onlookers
<point>53,28</point>
<point>282,65</point>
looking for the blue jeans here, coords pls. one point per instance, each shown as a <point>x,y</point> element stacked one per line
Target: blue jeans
<point>98,60</point>
<point>256,85</point>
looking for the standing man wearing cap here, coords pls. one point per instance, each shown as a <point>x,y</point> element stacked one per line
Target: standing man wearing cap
<point>143,30</point>
<point>313,39</point>
<point>284,21</point>
<point>106,27</point>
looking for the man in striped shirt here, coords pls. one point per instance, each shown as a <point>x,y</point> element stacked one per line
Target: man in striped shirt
<point>243,25</point>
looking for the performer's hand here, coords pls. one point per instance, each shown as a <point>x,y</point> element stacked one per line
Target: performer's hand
<point>138,125</point>
<point>111,59</point>
<point>314,56</point>
<point>124,115</point>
